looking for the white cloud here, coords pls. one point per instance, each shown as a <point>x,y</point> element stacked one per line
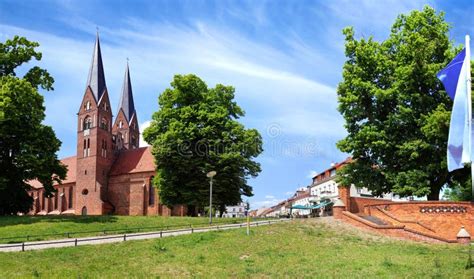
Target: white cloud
<point>264,203</point>
<point>142,127</point>
<point>312,174</point>
<point>264,85</point>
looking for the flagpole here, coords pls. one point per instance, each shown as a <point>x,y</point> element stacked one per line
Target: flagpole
<point>469,105</point>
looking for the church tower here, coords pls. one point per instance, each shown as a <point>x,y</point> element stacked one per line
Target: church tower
<point>94,142</point>
<point>125,127</point>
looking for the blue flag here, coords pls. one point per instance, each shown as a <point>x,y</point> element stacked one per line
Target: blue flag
<point>454,80</point>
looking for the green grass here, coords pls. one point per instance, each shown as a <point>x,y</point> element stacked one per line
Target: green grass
<point>300,249</point>
<point>20,226</point>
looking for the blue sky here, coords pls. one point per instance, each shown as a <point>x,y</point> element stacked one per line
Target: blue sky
<point>283,57</point>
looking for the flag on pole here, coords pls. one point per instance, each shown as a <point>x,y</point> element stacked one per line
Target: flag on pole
<point>455,80</point>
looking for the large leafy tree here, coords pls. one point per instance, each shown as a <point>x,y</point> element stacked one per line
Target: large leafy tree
<point>397,112</point>
<point>27,147</point>
<point>196,130</point>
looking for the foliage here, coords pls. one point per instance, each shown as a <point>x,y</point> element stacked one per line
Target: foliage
<point>196,131</point>
<point>27,147</point>
<point>396,110</point>
<point>461,192</point>
<point>300,249</point>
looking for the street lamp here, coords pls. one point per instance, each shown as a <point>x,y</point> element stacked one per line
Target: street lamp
<point>210,174</point>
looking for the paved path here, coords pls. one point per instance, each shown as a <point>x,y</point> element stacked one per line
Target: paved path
<point>95,240</point>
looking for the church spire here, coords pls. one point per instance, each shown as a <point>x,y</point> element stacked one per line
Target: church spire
<point>126,100</point>
<point>96,79</point>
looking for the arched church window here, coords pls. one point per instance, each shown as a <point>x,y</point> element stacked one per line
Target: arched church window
<point>85,149</point>
<point>56,201</point>
<point>88,150</point>
<point>103,124</point>
<point>43,201</point>
<point>105,106</point>
<point>87,124</point>
<point>71,193</point>
<point>84,211</point>
<point>87,105</point>
<point>151,193</point>
<point>104,148</point>
<point>120,124</point>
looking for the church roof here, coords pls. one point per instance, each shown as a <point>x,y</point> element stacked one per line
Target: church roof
<point>134,161</point>
<point>128,161</point>
<point>70,163</point>
<point>126,99</point>
<point>96,79</point>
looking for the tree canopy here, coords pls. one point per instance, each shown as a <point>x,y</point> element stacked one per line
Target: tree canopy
<point>27,147</point>
<point>396,110</point>
<point>196,130</point>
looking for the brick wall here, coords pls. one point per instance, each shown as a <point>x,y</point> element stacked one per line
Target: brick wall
<point>445,224</point>
<point>393,231</point>
<point>357,204</point>
<point>344,195</point>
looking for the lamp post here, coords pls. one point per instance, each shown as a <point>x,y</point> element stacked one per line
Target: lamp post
<point>210,174</point>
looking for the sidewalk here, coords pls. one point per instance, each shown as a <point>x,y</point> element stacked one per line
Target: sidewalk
<point>68,242</point>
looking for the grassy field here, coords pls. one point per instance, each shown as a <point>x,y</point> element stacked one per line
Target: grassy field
<point>50,226</point>
<point>309,248</point>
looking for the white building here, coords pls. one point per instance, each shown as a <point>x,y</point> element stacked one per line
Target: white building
<point>303,200</point>
<point>324,186</point>
<point>235,211</point>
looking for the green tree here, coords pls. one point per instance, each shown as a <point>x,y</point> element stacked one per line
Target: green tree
<point>195,131</point>
<point>27,147</point>
<point>396,110</point>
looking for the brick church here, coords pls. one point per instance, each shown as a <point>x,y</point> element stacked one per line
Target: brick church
<point>110,173</point>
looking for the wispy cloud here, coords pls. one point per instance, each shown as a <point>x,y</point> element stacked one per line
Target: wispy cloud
<point>312,174</point>
<point>264,203</point>
<point>157,51</point>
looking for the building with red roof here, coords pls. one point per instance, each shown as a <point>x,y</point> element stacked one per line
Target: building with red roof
<point>110,174</point>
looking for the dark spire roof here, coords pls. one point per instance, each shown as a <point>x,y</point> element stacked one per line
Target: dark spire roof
<point>126,100</point>
<point>96,79</point>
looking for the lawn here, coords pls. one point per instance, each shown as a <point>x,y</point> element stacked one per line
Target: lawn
<point>54,227</point>
<point>297,249</point>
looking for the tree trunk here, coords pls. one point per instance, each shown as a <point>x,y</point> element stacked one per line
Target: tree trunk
<point>437,185</point>
<point>221,210</point>
<point>434,195</point>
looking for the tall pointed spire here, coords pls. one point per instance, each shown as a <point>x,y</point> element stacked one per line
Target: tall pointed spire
<point>126,100</point>
<point>96,79</point>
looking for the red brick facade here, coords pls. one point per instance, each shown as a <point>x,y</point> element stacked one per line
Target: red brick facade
<point>432,221</point>
<point>110,174</point>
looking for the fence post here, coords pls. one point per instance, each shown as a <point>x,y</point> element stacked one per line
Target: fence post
<point>192,229</point>
<point>161,234</point>
<point>23,247</point>
<point>124,237</point>
<point>75,242</point>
